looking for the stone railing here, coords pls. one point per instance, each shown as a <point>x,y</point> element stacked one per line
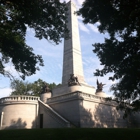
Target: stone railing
<point>18,98</point>
<point>76,94</point>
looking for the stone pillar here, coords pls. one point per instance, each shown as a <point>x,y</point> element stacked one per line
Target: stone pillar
<point>1,119</point>
<point>72,61</point>
<point>45,96</point>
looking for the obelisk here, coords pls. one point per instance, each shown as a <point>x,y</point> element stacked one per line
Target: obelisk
<point>72,61</point>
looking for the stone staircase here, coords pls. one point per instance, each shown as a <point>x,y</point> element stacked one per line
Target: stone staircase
<point>62,121</point>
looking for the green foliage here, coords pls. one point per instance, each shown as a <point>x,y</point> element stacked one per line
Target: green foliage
<point>37,87</point>
<point>25,88</point>
<point>46,17</point>
<point>20,88</point>
<point>120,53</point>
<point>52,85</point>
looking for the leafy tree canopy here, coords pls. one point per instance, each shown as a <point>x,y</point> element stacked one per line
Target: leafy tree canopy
<point>120,53</point>
<point>20,87</point>
<point>46,17</point>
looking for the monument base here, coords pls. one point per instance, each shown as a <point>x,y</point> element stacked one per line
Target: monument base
<point>65,89</point>
<point>45,96</point>
<point>101,94</point>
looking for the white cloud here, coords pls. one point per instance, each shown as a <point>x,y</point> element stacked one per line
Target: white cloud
<point>98,23</point>
<point>10,68</point>
<point>93,28</point>
<point>83,27</point>
<point>4,92</point>
<point>79,18</point>
<point>64,0</point>
<point>80,2</point>
<point>77,2</point>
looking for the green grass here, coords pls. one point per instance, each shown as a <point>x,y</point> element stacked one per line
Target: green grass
<point>71,134</point>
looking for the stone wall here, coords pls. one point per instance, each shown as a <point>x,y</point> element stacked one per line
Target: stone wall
<point>97,114</point>
<point>19,112</point>
<point>76,109</point>
<point>87,110</point>
<point>67,106</point>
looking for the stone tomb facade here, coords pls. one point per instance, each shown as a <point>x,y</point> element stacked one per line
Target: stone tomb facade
<point>72,104</point>
<point>75,109</point>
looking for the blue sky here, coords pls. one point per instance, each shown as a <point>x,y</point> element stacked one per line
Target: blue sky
<point>53,57</point>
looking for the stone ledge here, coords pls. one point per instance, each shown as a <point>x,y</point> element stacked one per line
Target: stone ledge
<point>101,94</point>
<point>77,95</point>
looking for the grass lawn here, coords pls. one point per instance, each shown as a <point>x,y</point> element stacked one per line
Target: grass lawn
<point>71,134</point>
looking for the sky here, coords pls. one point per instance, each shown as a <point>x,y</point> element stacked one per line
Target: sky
<point>53,58</point>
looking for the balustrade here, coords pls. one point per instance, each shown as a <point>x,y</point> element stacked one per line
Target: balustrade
<point>18,98</point>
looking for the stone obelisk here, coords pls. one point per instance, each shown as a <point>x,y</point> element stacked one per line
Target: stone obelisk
<point>72,61</point>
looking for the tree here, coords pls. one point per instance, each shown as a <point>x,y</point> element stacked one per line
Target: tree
<point>37,86</point>
<point>20,87</point>
<point>52,85</point>
<point>46,17</point>
<point>120,53</point>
